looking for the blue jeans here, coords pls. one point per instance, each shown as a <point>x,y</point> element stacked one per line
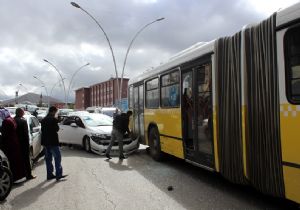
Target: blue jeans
<point>53,151</point>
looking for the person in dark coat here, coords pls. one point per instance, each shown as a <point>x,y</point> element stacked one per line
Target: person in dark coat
<point>11,145</point>
<point>51,143</point>
<point>120,127</point>
<point>23,136</point>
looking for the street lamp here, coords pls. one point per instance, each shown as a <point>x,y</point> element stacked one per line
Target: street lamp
<point>80,68</point>
<point>54,86</point>
<point>21,85</point>
<point>129,47</point>
<point>62,80</point>
<point>111,49</point>
<point>43,85</point>
<point>24,87</point>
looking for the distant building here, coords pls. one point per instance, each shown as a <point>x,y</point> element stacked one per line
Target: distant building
<point>82,98</point>
<point>100,94</point>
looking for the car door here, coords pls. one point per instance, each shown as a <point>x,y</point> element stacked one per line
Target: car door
<point>35,135</point>
<point>78,132</point>
<point>71,134</point>
<point>65,131</point>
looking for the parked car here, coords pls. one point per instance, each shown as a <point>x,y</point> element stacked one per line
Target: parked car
<point>34,130</point>
<point>12,110</point>
<point>110,111</point>
<point>6,180</point>
<point>62,113</point>
<point>92,132</point>
<point>41,114</point>
<point>93,109</point>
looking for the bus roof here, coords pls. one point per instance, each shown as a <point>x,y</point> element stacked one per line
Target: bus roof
<point>196,50</point>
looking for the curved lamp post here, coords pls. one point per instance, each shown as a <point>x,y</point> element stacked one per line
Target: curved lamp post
<point>44,86</point>
<point>55,86</point>
<point>24,87</point>
<point>128,49</point>
<point>21,85</point>
<point>111,49</point>
<point>80,68</point>
<point>62,80</point>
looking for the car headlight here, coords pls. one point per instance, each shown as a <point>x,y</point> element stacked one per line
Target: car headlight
<point>98,135</point>
<point>100,138</point>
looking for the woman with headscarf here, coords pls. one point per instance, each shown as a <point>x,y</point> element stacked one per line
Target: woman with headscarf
<point>23,136</point>
<point>11,145</point>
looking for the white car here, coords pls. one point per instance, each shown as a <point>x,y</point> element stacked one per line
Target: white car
<point>34,130</point>
<point>92,132</point>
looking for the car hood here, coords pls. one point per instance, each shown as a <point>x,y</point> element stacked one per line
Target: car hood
<point>101,129</point>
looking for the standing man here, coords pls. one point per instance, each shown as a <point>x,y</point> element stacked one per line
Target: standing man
<point>50,142</point>
<point>23,136</point>
<point>120,127</point>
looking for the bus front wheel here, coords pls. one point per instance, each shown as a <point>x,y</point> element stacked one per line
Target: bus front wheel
<point>154,143</point>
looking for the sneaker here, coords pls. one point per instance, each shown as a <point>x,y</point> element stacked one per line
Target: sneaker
<point>51,177</point>
<point>61,177</point>
<point>121,157</point>
<point>31,177</point>
<point>108,156</point>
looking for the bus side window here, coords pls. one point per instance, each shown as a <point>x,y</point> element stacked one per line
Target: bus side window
<point>292,59</point>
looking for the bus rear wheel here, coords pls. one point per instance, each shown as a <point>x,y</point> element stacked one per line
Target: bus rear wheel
<point>154,143</point>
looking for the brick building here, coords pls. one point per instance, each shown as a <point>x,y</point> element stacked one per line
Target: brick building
<point>82,98</point>
<point>101,94</point>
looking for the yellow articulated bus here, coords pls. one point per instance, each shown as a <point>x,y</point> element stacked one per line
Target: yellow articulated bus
<point>231,105</point>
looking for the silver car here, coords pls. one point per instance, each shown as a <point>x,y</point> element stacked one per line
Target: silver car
<point>93,132</point>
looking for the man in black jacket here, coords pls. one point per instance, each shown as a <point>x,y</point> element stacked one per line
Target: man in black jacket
<point>51,143</point>
<point>23,136</point>
<point>120,127</point>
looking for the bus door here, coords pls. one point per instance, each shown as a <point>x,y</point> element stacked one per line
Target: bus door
<point>138,92</point>
<point>197,115</point>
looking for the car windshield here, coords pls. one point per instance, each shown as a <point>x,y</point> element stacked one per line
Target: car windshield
<point>95,120</point>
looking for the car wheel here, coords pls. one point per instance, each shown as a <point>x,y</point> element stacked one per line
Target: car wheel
<point>154,143</point>
<point>5,182</point>
<point>87,144</point>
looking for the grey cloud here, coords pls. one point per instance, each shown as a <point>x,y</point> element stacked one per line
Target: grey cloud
<point>55,30</point>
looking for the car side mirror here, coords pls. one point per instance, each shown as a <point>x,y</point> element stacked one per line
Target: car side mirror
<point>74,125</point>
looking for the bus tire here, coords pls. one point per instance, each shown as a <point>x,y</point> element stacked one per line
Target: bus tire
<point>154,143</point>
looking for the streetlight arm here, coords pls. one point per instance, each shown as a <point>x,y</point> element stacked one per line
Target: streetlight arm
<point>111,49</point>
<point>68,94</point>
<point>129,47</point>
<point>44,86</point>
<point>62,80</point>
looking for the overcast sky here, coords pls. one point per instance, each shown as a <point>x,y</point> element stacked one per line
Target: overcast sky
<point>34,30</point>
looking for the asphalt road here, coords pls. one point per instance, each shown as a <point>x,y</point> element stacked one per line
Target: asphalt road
<point>135,183</point>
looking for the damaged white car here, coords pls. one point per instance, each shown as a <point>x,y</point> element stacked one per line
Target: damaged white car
<point>92,132</point>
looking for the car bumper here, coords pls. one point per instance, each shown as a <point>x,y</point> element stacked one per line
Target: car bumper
<point>127,148</point>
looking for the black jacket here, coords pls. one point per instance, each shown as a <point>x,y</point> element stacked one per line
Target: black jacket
<point>22,133</point>
<point>121,123</point>
<point>49,131</point>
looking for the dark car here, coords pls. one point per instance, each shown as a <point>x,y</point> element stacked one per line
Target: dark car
<point>6,180</point>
